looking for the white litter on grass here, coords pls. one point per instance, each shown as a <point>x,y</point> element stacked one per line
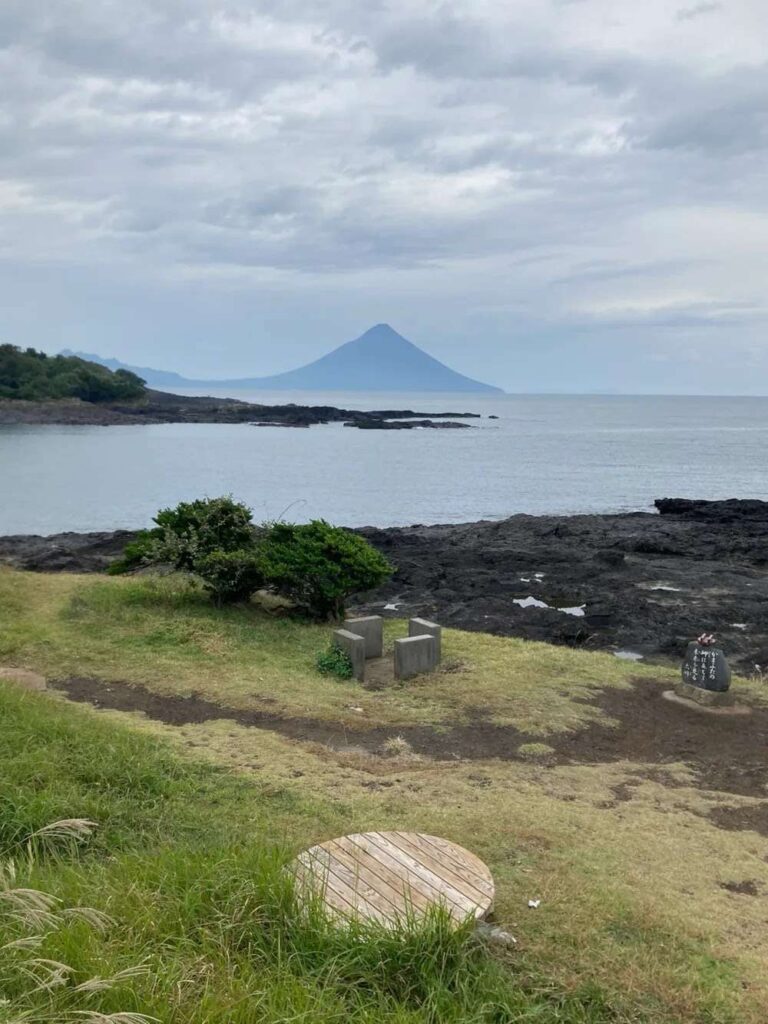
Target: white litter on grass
<point>578,610</point>
<point>628,655</point>
<point>525,579</point>
<point>534,904</point>
<point>492,933</point>
<point>663,586</point>
<point>739,625</point>
<point>390,607</point>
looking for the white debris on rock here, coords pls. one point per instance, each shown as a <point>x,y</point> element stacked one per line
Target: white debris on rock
<point>534,602</point>
<point>530,602</point>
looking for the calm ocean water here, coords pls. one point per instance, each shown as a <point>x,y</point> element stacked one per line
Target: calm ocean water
<point>558,454</point>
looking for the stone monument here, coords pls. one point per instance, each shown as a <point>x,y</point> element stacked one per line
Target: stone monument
<point>706,674</point>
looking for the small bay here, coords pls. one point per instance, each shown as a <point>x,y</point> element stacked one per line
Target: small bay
<point>544,454</point>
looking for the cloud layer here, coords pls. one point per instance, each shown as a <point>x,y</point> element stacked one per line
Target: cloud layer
<point>551,193</point>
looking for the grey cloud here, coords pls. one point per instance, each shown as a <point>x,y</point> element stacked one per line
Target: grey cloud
<point>706,7</point>
<point>354,150</point>
<point>725,114</point>
<point>732,126</point>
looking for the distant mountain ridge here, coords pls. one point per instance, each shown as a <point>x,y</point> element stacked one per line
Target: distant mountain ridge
<point>379,360</point>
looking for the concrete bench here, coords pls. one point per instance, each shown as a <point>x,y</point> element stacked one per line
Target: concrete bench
<point>354,646</point>
<point>415,655</point>
<point>423,627</point>
<point>371,629</point>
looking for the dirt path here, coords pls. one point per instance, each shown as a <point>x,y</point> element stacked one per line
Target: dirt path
<point>725,754</point>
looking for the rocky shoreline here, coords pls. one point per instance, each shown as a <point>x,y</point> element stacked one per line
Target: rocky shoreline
<point>163,407</point>
<point>637,584</point>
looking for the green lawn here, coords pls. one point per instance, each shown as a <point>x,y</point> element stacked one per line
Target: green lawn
<point>195,823</point>
<point>165,634</point>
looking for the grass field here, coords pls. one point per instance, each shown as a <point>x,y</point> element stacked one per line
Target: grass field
<point>195,822</point>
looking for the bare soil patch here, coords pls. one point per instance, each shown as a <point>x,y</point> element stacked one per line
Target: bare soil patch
<point>746,888</point>
<point>753,818</point>
<point>726,755</point>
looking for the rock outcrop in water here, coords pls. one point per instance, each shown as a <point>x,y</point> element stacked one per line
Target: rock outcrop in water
<point>639,583</point>
<point>162,407</point>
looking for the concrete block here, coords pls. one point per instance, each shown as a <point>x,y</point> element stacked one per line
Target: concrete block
<point>354,646</point>
<point>415,655</point>
<point>371,629</point>
<point>708,698</point>
<point>423,627</point>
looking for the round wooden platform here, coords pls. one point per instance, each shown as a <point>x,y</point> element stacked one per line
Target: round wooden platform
<point>390,877</point>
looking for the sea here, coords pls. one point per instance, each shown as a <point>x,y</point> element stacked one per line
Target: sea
<point>545,454</point>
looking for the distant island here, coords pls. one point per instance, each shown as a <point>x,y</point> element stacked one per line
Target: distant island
<point>379,360</point>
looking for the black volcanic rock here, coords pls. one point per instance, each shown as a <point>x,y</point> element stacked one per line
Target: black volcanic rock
<point>381,424</point>
<point>163,407</point>
<point>645,583</point>
<point>728,510</point>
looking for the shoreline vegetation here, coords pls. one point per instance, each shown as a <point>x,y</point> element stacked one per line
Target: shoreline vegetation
<point>637,584</point>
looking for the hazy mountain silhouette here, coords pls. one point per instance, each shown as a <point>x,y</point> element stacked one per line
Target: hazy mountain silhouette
<point>379,360</point>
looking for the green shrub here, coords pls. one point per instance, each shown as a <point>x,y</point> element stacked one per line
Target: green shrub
<point>318,566</point>
<point>140,551</point>
<point>231,576</point>
<point>35,376</point>
<point>334,662</point>
<point>192,530</point>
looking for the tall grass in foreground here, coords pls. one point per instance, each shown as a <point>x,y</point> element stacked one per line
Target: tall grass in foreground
<point>224,938</point>
<point>178,907</point>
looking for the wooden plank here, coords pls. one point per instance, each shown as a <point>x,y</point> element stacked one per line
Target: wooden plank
<point>413,844</point>
<point>336,892</point>
<point>434,893</point>
<point>442,865</point>
<point>425,876</point>
<point>357,879</point>
<point>334,904</point>
<point>467,861</point>
<point>389,884</point>
<point>427,858</point>
<point>415,890</point>
<point>393,880</point>
<point>388,876</point>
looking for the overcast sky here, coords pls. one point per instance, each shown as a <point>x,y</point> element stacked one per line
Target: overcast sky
<point>546,194</point>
